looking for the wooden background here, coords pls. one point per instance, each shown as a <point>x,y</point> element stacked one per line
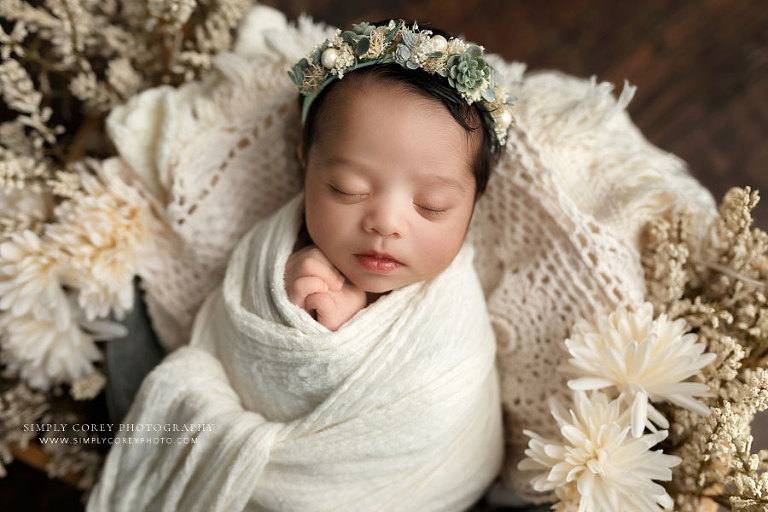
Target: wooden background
<point>700,66</point>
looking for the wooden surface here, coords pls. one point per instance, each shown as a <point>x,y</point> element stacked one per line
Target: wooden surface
<point>701,68</point>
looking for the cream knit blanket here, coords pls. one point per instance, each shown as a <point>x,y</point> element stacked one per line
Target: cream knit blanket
<point>399,409</point>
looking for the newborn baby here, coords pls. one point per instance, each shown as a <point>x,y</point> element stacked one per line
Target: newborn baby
<point>391,178</point>
<point>347,361</point>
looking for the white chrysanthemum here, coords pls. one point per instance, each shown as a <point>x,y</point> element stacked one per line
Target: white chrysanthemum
<point>42,353</point>
<point>28,278</point>
<point>42,329</point>
<point>642,358</point>
<point>108,233</point>
<point>611,469</point>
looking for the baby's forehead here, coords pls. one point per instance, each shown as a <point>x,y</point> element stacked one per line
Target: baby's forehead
<point>363,99</point>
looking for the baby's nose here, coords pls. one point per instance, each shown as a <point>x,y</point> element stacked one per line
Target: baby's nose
<point>385,220</point>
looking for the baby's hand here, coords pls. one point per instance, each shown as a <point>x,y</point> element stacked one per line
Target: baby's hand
<point>314,284</point>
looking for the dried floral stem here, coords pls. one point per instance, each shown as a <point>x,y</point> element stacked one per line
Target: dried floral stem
<point>730,272</point>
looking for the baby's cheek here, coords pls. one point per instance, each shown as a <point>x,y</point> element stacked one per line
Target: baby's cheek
<point>438,250</point>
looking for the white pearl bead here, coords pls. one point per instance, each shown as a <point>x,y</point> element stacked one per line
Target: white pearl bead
<point>506,117</point>
<point>329,57</point>
<point>439,43</point>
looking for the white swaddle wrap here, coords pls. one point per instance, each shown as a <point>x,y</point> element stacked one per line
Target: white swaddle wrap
<point>399,409</point>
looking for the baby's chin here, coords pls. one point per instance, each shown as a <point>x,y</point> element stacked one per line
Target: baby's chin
<point>376,285</point>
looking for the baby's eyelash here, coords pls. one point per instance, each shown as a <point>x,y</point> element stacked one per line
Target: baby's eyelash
<point>432,211</point>
<point>429,211</point>
<point>339,192</point>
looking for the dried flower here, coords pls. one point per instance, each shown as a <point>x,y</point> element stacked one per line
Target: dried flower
<point>719,288</point>
<point>611,469</point>
<point>107,233</point>
<point>86,388</point>
<point>19,405</point>
<point>639,356</point>
<point>42,340</point>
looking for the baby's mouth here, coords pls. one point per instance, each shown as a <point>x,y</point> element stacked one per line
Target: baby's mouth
<point>380,263</point>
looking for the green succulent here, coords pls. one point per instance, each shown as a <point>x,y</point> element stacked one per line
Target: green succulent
<point>363,29</point>
<point>468,70</point>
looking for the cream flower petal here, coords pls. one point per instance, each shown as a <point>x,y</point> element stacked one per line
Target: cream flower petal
<point>611,469</point>
<point>633,353</point>
<point>109,233</point>
<point>42,353</point>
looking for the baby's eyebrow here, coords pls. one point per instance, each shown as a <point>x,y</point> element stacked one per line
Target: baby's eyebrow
<point>430,179</point>
<point>444,180</point>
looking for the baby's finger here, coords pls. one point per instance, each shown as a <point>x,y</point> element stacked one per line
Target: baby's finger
<point>325,308</point>
<point>304,286</point>
<point>317,264</point>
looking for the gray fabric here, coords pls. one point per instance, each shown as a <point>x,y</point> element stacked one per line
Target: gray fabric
<point>129,359</point>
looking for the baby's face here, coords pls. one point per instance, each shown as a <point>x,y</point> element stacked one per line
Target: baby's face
<point>389,175</point>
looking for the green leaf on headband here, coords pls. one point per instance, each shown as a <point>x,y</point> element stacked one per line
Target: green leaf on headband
<point>298,71</point>
<point>488,95</point>
<point>391,33</point>
<point>349,37</point>
<point>435,55</point>
<point>316,55</point>
<point>362,45</point>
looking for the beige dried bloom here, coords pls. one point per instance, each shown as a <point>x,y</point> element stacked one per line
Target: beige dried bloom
<point>13,135</point>
<point>169,14</point>
<point>664,260</point>
<point>65,184</point>
<point>729,356</point>
<point>123,78</point>
<point>18,92</point>
<point>313,75</point>
<point>719,288</point>
<point>185,63</point>
<point>376,42</point>
<point>21,172</point>
<point>19,405</point>
<point>86,87</point>
<point>17,88</point>
<point>13,43</point>
<point>72,32</point>
<point>86,388</point>
<point>107,233</point>
<point>75,456</point>
<point>99,59</point>
<point>215,33</point>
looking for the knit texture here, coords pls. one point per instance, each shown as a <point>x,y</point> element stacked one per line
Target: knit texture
<point>398,409</point>
<point>557,233</point>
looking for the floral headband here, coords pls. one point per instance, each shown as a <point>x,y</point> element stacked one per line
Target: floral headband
<point>367,44</point>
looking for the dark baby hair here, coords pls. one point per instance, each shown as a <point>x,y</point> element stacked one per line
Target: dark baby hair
<point>433,86</point>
